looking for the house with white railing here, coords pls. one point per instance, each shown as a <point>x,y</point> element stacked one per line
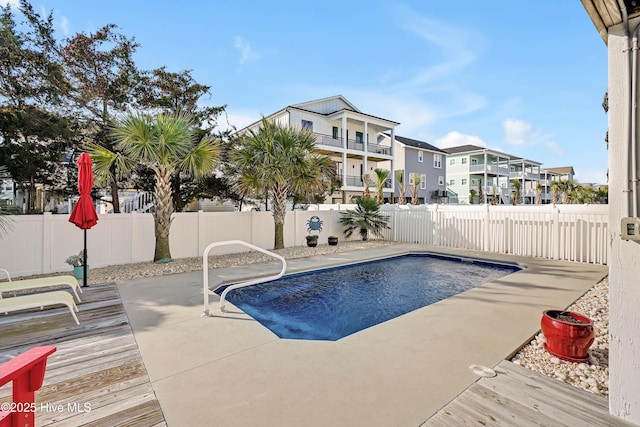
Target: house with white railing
<point>550,175</point>
<point>420,159</point>
<point>356,141</point>
<point>471,169</point>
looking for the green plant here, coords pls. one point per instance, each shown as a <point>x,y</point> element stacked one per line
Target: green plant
<point>278,161</point>
<point>312,237</point>
<point>472,196</point>
<point>76,260</point>
<point>365,218</point>
<point>169,145</point>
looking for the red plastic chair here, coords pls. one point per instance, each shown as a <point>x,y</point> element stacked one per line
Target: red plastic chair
<point>27,373</point>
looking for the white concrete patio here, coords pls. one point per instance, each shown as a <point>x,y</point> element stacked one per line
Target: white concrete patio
<point>231,370</point>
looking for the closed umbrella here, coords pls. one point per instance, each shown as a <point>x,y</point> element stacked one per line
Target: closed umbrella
<point>84,213</point>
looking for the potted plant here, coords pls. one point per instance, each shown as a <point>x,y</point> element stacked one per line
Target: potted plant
<point>332,240</point>
<point>77,262</point>
<point>312,240</point>
<point>568,335</point>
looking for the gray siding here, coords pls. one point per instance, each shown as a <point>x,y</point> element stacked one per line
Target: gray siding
<point>412,165</point>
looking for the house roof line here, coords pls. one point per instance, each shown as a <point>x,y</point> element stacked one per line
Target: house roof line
<point>468,149</point>
<point>418,144</point>
<point>340,97</point>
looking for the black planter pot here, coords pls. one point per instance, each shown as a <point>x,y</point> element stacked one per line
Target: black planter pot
<point>312,243</point>
<point>332,240</point>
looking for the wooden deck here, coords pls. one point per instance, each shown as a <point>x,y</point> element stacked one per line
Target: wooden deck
<point>97,376</point>
<point>518,396</point>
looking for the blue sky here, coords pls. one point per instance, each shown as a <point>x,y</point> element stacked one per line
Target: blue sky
<point>525,77</point>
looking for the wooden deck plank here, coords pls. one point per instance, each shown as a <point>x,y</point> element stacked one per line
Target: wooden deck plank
<point>569,405</point>
<point>518,396</point>
<point>96,362</point>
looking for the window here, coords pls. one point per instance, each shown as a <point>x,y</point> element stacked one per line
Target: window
<point>437,161</point>
<point>411,179</point>
<point>474,161</point>
<point>452,182</point>
<point>420,156</point>
<point>464,181</point>
<point>452,161</point>
<point>464,161</point>
<point>423,181</point>
<point>474,182</point>
<point>359,137</point>
<point>334,133</point>
<point>441,180</point>
<point>307,125</point>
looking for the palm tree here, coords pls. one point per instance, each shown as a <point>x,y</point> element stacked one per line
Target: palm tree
<point>366,180</point>
<point>515,196</point>
<point>575,192</point>
<point>563,188</point>
<point>480,192</point>
<point>281,161</point>
<point>379,178</point>
<point>602,195</point>
<point>165,144</point>
<point>414,189</point>
<point>472,196</point>
<point>555,188</point>
<point>365,218</point>
<point>538,194</point>
<point>401,187</point>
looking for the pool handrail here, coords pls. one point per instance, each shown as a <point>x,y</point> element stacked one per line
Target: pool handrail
<point>205,272</point>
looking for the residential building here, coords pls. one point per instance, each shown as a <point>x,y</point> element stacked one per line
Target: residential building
<point>615,22</point>
<point>473,170</point>
<point>357,142</point>
<point>418,158</point>
<point>550,175</point>
<point>564,173</point>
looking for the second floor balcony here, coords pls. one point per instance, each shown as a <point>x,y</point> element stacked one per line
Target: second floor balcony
<point>328,143</point>
<point>490,169</point>
<point>526,175</point>
<point>356,181</point>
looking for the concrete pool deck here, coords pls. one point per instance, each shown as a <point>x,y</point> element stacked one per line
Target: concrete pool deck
<point>230,370</point>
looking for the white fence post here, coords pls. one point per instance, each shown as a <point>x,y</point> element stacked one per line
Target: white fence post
<point>485,232</point>
<point>201,232</point>
<point>436,226</point>
<point>47,248</point>
<point>556,232</point>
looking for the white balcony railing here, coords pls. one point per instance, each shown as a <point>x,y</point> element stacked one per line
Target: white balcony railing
<point>491,169</point>
<point>352,144</point>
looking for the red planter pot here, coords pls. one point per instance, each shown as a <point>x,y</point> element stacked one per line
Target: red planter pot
<point>565,339</point>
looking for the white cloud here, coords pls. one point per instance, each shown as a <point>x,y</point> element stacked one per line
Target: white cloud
<point>517,132</point>
<point>64,25</point>
<point>455,45</point>
<point>246,52</point>
<point>454,139</point>
<point>554,148</point>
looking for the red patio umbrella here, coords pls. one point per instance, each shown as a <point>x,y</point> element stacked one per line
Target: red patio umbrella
<point>84,213</point>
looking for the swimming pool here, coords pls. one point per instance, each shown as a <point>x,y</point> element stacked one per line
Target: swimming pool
<point>332,303</point>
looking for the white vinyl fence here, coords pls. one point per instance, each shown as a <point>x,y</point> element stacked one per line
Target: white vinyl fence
<point>566,232</point>
<point>41,243</point>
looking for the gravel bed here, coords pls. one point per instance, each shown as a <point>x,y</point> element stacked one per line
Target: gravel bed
<point>119,273</point>
<point>592,376</point>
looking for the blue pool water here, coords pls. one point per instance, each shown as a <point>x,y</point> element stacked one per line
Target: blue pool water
<point>332,303</point>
